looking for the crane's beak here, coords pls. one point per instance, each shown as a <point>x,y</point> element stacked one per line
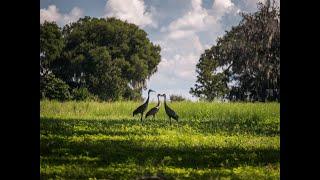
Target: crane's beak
<point>152,90</point>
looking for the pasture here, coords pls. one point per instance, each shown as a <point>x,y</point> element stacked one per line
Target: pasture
<point>93,140</point>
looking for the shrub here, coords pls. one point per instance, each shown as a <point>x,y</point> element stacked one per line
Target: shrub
<point>52,87</point>
<point>81,94</point>
<point>133,95</point>
<point>177,98</point>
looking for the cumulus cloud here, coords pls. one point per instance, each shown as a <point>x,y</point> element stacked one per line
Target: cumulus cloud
<point>183,46</point>
<point>177,34</point>
<point>134,11</point>
<point>73,16</point>
<point>196,19</point>
<point>176,71</point>
<point>180,66</point>
<point>175,75</point>
<point>221,7</point>
<point>199,19</point>
<point>177,64</point>
<point>52,14</point>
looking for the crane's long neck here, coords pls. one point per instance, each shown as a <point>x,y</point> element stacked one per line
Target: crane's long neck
<point>147,101</point>
<point>165,101</point>
<point>158,102</point>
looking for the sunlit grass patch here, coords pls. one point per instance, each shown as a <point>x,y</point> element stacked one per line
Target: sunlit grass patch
<point>81,140</point>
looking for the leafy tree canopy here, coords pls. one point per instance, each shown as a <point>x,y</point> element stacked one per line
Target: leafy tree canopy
<point>52,43</point>
<point>111,58</point>
<point>245,62</point>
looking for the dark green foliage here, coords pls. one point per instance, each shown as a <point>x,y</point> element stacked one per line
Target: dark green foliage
<point>132,95</point>
<point>51,41</point>
<point>176,98</point>
<point>52,87</point>
<point>81,94</point>
<point>245,62</point>
<point>111,58</point>
<point>103,75</point>
<point>210,84</point>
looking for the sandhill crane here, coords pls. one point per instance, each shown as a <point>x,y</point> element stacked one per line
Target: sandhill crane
<point>153,111</point>
<point>169,111</point>
<point>141,109</point>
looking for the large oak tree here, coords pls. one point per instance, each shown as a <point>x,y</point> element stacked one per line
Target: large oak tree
<point>111,58</point>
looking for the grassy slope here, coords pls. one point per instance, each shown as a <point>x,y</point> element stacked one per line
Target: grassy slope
<point>81,140</point>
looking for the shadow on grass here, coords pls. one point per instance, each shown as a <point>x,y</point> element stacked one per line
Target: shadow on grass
<point>109,152</point>
<point>121,151</point>
<point>252,125</point>
<point>92,127</point>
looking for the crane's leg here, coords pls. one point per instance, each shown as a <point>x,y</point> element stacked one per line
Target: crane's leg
<point>170,120</point>
<point>154,117</point>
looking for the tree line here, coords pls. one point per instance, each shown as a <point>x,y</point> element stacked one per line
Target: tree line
<point>109,59</point>
<point>106,59</point>
<point>244,65</point>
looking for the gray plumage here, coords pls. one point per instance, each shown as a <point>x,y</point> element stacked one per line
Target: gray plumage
<point>169,111</point>
<point>153,111</point>
<point>141,109</point>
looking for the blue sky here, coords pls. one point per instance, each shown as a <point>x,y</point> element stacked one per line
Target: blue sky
<point>183,29</point>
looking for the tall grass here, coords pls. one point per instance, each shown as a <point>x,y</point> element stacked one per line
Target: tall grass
<point>103,140</point>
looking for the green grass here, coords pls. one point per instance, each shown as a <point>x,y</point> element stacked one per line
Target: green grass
<point>83,140</point>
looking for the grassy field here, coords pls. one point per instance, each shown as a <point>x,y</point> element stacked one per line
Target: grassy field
<point>91,140</point>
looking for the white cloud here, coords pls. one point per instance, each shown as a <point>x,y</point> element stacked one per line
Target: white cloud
<point>183,46</point>
<point>73,16</point>
<point>180,66</point>
<point>134,11</point>
<point>222,6</point>
<point>176,71</point>
<point>180,34</point>
<point>199,19</point>
<point>194,20</point>
<point>52,14</point>
<point>176,75</point>
<point>196,44</point>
